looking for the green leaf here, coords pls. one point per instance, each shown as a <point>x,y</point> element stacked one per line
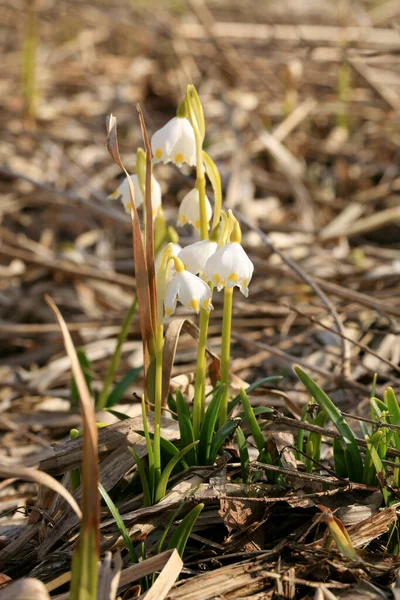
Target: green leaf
<point>86,367</point>
<point>220,436</point>
<point>380,469</point>
<point>377,407</point>
<point>120,523</point>
<point>369,477</point>
<point>185,427</point>
<point>393,406</point>
<point>147,495</point>
<point>252,421</point>
<point>300,434</point>
<point>207,428</point>
<point>120,415</point>
<point>167,447</point>
<point>339,459</point>
<point>121,387</point>
<point>150,452</point>
<point>165,475</point>
<point>172,405</point>
<point>181,534</point>
<point>355,463</point>
<point>252,387</point>
<point>243,454</point>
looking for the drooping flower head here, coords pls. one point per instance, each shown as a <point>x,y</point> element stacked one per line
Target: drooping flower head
<point>195,256</point>
<point>175,142</point>
<point>230,266</point>
<point>189,210</point>
<point>123,193</point>
<point>191,291</point>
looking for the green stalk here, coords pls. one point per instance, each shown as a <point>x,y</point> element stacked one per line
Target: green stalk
<point>29,59</point>
<point>226,352</point>
<point>126,325</point>
<point>158,403</point>
<point>201,367</point>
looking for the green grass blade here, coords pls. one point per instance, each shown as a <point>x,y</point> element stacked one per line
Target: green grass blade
<point>147,496</point>
<point>181,534</point>
<point>150,451</point>
<point>339,458</point>
<point>120,523</point>
<point>392,406</point>
<point>380,469</point>
<point>165,475</point>
<point>121,387</point>
<point>185,427</point>
<point>252,387</point>
<point>373,385</point>
<point>252,421</point>
<point>120,415</point>
<point>243,454</point>
<point>355,463</point>
<point>207,428</point>
<point>220,436</point>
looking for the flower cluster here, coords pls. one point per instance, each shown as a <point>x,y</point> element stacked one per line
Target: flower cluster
<point>207,264</point>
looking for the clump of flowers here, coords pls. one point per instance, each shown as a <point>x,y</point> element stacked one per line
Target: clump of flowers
<point>168,275</point>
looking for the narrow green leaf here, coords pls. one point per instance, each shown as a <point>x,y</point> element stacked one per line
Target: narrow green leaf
<point>300,434</point>
<point>147,496</point>
<point>393,406</point>
<point>355,464</point>
<point>220,436</point>
<point>339,458</point>
<point>243,454</point>
<point>172,405</point>
<point>252,421</point>
<point>119,522</point>
<point>167,448</point>
<point>150,452</point>
<point>121,387</point>
<point>165,475</point>
<point>380,469</point>
<point>373,385</point>
<point>120,415</point>
<point>185,427</point>
<point>181,534</point>
<point>254,386</point>
<point>369,477</point>
<point>207,428</point>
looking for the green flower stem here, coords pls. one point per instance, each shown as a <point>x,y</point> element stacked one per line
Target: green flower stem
<point>200,381</point>
<point>158,403</point>
<point>126,325</point>
<point>226,353</point>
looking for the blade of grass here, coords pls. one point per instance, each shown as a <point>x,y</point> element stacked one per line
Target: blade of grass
<point>181,534</point>
<point>243,454</point>
<point>165,475</point>
<point>207,429</point>
<point>86,556</point>
<point>252,421</point>
<point>120,523</point>
<point>355,464</point>
<point>220,436</point>
<point>147,497</point>
<point>120,388</point>
<point>185,427</point>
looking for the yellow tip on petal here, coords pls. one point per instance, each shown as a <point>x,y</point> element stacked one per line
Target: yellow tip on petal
<point>233,277</point>
<point>178,158</point>
<point>194,304</point>
<point>114,195</point>
<point>206,303</point>
<point>216,278</point>
<point>167,312</point>
<point>129,206</point>
<point>197,224</point>
<point>158,153</point>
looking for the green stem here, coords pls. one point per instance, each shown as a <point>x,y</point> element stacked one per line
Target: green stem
<point>126,325</point>
<point>226,353</point>
<point>158,404</point>
<point>201,187</point>
<point>201,367</point>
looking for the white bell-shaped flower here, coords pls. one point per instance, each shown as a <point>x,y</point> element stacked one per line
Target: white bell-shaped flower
<point>176,249</point>
<point>191,291</point>
<point>195,256</point>
<point>230,266</point>
<point>189,210</point>
<point>123,193</point>
<point>175,142</point>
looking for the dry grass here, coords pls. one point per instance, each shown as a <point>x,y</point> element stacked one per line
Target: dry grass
<point>302,102</point>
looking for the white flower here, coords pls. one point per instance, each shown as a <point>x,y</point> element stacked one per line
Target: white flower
<point>195,256</point>
<point>176,248</point>
<point>123,193</point>
<point>230,266</point>
<point>189,210</point>
<point>191,291</point>
<point>175,141</point>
